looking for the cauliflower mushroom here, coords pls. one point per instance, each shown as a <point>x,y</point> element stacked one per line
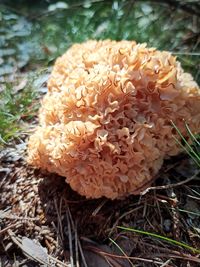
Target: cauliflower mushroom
<point>105,123</point>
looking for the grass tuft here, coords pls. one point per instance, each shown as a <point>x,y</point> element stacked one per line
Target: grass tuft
<point>191,150</point>
<point>163,238</point>
<point>16,108</point>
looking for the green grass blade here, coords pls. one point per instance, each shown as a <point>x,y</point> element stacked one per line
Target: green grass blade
<point>185,141</point>
<point>192,136</point>
<point>190,212</point>
<point>180,134</point>
<point>189,153</point>
<point>188,148</point>
<point>167,239</point>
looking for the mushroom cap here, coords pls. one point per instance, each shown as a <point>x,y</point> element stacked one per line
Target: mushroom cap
<point>105,123</point>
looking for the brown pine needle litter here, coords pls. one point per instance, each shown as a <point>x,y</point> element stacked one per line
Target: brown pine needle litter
<point>65,229</point>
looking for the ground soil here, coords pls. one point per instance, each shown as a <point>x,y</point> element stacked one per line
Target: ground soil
<point>41,209</point>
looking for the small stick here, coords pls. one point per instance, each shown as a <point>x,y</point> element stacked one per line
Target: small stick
<point>169,186</point>
<point>70,240</point>
<point>76,247</point>
<point>8,227</point>
<point>79,243</point>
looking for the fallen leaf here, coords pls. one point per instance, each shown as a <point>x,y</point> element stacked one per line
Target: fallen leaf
<point>34,250</point>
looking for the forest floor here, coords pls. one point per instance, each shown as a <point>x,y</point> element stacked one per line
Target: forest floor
<point>42,221</point>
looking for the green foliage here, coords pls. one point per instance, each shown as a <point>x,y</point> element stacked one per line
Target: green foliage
<point>15,51</point>
<point>193,150</point>
<point>163,238</point>
<point>34,33</point>
<point>37,34</point>
<point>15,107</point>
<point>154,23</point>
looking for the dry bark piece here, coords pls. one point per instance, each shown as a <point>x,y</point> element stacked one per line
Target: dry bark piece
<point>105,121</point>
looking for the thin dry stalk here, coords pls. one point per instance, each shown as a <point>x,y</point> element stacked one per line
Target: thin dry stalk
<point>74,228</point>
<point>106,254</point>
<point>120,218</point>
<point>70,240</point>
<point>169,186</point>
<point>76,247</point>
<point>96,211</point>
<point>17,224</point>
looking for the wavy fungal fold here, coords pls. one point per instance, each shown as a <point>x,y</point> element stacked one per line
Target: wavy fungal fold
<point>105,123</point>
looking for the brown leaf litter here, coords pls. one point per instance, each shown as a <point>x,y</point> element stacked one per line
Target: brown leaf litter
<point>44,223</point>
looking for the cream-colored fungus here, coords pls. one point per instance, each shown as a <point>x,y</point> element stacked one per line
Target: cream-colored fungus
<point>105,123</point>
